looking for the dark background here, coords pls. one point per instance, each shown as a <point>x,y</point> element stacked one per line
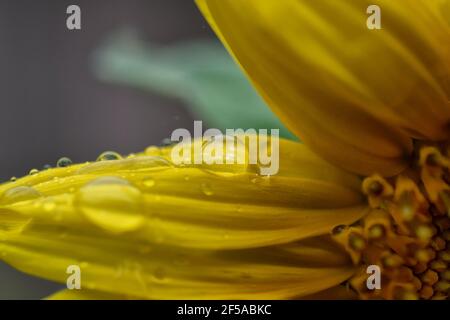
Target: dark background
<point>51,105</point>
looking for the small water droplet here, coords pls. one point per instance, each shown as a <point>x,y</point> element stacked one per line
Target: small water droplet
<point>63,162</point>
<point>338,229</point>
<point>149,182</point>
<point>13,179</point>
<point>46,166</point>
<point>131,156</point>
<point>109,155</point>
<point>159,274</point>
<point>206,189</point>
<point>21,193</point>
<point>33,171</point>
<point>112,204</point>
<point>166,142</point>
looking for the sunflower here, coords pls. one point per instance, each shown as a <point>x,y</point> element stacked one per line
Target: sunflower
<point>368,186</point>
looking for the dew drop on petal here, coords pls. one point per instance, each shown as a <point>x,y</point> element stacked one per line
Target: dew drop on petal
<point>206,189</point>
<point>109,155</point>
<point>63,162</point>
<point>13,179</point>
<point>159,274</point>
<point>166,142</point>
<point>112,204</point>
<point>33,171</point>
<point>21,193</point>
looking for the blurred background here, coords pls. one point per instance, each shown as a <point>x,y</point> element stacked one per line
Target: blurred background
<point>53,105</point>
<point>137,70</point>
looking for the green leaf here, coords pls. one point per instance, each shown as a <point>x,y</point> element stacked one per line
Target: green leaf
<point>200,73</point>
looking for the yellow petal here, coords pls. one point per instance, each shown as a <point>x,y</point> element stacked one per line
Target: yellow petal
<point>149,199</point>
<point>119,267</point>
<point>82,294</point>
<point>144,227</point>
<point>354,95</point>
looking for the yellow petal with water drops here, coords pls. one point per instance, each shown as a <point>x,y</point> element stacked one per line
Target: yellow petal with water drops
<point>354,95</point>
<point>190,231</point>
<point>198,206</point>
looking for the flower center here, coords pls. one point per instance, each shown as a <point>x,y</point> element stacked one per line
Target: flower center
<point>406,232</point>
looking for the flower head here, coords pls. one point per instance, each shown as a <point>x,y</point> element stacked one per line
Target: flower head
<point>374,105</point>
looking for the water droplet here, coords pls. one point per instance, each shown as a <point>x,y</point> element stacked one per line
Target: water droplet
<point>109,155</point>
<point>206,189</point>
<point>46,167</point>
<point>166,142</point>
<point>338,229</point>
<point>112,204</point>
<point>159,274</point>
<point>33,171</point>
<point>149,182</point>
<point>13,179</point>
<point>63,162</point>
<point>131,156</point>
<point>21,193</point>
<point>229,153</point>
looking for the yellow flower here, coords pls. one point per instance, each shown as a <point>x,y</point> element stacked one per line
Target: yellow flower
<point>374,103</point>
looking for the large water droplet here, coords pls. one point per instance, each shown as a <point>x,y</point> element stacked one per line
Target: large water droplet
<point>63,162</point>
<point>109,155</point>
<point>21,193</point>
<point>227,155</point>
<point>112,204</point>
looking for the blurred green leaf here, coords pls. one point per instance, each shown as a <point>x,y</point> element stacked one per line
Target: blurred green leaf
<point>201,73</point>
